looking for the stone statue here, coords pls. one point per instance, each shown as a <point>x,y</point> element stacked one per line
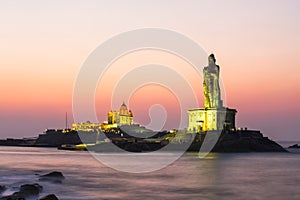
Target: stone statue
<point>212,94</point>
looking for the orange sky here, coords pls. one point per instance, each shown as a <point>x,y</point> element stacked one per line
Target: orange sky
<point>43,44</point>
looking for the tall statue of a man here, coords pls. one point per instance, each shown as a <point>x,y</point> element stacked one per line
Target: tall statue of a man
<point>212,94</point>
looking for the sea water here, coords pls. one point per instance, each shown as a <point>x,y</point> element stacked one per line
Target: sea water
<point>234,176</point>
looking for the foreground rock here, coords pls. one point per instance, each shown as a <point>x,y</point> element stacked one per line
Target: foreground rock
<point>295,146</point>
<point>55,177</point>
<point>31,189</point>
<point>14,196</point>
<point>49,197</point>
<point>2,188</point>
<point>27,190</point>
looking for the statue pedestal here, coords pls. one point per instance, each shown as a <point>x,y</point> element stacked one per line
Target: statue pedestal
<point>207,119</point>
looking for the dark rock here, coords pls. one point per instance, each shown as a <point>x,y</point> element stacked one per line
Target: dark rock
<point>14,196</point>
<point>54,174</point>
<point>246,141</point>
<point>30,189</point>
<point>55,177</point>
<point>240,141</point>
<point>2,188</point>
<point>49,197</point>
<point>295,146</point>
<point>26,190</point>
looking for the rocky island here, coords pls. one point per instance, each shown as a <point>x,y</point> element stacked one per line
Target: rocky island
<point>213,119</point>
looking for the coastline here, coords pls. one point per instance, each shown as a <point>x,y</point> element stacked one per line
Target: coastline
<point>239,141</point>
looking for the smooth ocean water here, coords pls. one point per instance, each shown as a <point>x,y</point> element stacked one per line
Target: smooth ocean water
<point>241,176</point>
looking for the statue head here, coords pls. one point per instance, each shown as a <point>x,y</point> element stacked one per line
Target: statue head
<point>211,59</point>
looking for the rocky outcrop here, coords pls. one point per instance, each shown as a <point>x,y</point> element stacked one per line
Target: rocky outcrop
<point>56,138</point>
<point>27,190</point>
<point>15,196</point>
<point>2,188</point>
<point>49,197</point>
<point>225,142</point>
<point>55,177</point>
<point>295,146</point>
<point>32,191</point>
<point>240,141</point>
<point>246,142</point>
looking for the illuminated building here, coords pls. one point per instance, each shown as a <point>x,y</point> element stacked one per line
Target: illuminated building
<point>86,126</point>
<point>121,117</point>
<point>206,119</point>
<point>214,116</point>
<point>115,119</point>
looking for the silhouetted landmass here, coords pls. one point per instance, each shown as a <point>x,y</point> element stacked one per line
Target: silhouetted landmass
<point>295,146</point>
<point>242,141</point>
<point>228,141</point>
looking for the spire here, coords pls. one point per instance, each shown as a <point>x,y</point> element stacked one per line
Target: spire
<point>66,120</point>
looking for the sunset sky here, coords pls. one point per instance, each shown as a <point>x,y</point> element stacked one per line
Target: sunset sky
<point>44,43</point>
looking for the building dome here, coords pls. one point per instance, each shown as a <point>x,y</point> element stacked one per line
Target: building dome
<point>121,117</point>
<point>123,109</point>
